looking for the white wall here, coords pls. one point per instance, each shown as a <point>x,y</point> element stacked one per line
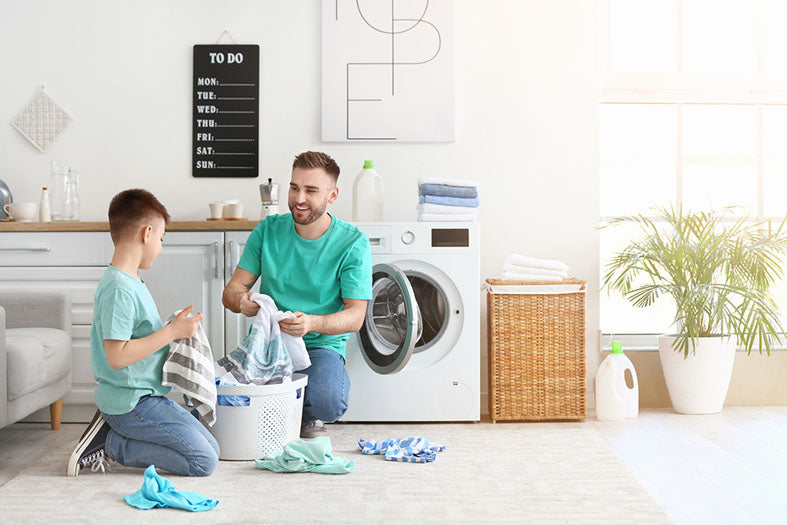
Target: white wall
<point>526,113</point>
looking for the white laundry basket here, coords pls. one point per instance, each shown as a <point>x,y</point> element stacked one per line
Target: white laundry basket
<point>272,419</point>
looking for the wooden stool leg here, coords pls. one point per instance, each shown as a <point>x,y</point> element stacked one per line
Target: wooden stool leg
<point>55,412</point>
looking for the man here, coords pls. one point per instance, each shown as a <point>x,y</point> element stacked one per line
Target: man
<point>318,267</point>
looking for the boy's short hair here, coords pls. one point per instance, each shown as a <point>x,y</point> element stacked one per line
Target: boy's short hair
<point>130,208</point>
<point>317,159</point>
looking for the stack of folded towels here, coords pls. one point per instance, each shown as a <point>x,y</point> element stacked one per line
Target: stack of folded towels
<point>441,199</point>
<point>522,268</point>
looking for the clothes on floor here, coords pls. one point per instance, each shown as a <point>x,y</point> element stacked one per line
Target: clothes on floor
<point>159,492</point>
<point>123,309</point>
<point>306,456</point>
<point>189,369</point>
<point>408,450</point>
<point>267,354</point>
<point>159,431</point>
<point>312,276</point>
<point>328,392</point>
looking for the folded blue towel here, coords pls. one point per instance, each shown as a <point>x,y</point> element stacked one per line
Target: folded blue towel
<point>449,201</point>
<point>160,492</point>
<point>441,190</point>
<point>408,450</point>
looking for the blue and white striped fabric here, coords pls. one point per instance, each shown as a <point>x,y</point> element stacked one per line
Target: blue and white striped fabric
<point>408,450</point>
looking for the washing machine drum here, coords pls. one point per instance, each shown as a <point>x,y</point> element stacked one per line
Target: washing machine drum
<point>393,322</point>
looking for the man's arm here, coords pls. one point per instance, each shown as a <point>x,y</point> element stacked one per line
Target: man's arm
<point>350,319</point>
<point>121,354</point>
<point>236,293</point>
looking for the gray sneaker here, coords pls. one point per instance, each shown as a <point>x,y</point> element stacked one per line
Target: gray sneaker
<point>313,429</point>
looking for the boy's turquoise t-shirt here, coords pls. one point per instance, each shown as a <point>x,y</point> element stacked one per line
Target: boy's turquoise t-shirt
<point>310,276</point>
<point>123,309</point>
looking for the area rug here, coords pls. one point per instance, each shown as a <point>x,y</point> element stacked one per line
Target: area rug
<point>505,472</point>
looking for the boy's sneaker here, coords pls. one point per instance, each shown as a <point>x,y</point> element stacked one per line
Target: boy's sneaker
<point>313,429</point>
<point>89,451</point>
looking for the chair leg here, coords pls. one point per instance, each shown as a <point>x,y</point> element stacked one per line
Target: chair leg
<point>55,412</point>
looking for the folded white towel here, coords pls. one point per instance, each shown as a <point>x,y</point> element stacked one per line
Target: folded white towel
<point>447,217</point>
<point>448,182</point>
<point>532,262</point>
<point>427,207</point>
<point>515,268</point>
<point>511,276</point>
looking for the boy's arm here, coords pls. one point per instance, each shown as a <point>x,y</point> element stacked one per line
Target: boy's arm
<point>121,354</point>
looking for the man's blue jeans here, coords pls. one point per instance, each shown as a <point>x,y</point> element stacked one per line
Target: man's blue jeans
<point>159,432</point>
<point>329,386</point>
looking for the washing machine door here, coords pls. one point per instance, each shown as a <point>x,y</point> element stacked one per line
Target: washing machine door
<point>393,321</point>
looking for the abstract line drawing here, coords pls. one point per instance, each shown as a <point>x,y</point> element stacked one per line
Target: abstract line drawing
<point>387,71</point>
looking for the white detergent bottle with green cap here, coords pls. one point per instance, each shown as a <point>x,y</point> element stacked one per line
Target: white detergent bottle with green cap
<point>368,192</point>
<point>617,396</point>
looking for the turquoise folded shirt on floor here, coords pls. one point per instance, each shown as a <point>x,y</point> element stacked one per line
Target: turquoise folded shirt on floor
<point>306,456</point>
<point>158,492</point>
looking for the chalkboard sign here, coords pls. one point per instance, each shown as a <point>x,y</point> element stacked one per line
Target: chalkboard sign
<point>226,111</point>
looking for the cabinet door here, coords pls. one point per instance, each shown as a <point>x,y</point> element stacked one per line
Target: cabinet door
<point>190,270</point>
<point>79,284</point>
<point>237,325</point>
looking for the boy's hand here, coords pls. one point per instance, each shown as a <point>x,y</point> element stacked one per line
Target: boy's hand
<point>297,326</point>
<point>248,307</point>
<point>183,326</point>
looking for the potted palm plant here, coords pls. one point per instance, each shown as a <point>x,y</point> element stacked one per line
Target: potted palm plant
<point>718,270</point>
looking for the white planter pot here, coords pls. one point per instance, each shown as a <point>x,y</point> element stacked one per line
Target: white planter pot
<point>698,383</point>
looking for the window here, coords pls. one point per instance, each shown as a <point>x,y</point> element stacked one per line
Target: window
<point>693,111</point>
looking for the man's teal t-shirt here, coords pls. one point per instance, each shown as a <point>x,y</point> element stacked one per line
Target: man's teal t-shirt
<point>310,276</point>
<point>123,309</point>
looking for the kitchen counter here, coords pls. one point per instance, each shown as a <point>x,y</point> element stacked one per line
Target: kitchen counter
<point>99,226</point>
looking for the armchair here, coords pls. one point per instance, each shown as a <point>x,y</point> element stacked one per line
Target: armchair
<point>35,354</point>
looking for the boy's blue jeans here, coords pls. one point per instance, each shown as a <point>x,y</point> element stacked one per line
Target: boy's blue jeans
<point>328,389</point>
<point>159,432</point>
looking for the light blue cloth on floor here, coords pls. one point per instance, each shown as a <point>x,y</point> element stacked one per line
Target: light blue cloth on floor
<point>408,450</point>
<point>442,190</point>
<point>158,492</point>
<point>449,201</point>
<point>301,455</point>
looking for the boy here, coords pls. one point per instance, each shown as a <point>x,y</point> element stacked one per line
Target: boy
<point>135,425</point>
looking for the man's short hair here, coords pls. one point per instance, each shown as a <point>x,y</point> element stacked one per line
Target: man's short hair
<point>317,159</point>
<point>129,209</point>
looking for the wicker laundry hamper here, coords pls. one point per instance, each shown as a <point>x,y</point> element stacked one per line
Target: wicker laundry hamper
<point>536,345</point>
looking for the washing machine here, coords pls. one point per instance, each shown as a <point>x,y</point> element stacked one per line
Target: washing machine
<point>417,356</point>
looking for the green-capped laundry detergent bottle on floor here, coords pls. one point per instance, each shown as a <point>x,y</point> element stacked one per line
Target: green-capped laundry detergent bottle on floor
<point>615,399</point>
<point>368,192</point>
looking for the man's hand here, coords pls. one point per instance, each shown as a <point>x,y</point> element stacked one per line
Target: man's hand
<point>248,307</point>
<point>297,326</point>
<point>183,326</point>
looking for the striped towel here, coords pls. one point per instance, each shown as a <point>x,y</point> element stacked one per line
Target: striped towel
<point>266,355</point>
<point>189,370</point>
<point>408,450</point>
<point>448,191</point>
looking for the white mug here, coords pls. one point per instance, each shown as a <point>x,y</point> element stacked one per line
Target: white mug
<point>216,210</point>
<point>233,211</point>
<point>21,211</point>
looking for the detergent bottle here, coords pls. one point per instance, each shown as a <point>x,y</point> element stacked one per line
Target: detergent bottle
<point>368,195</point>
<point>615,400</point>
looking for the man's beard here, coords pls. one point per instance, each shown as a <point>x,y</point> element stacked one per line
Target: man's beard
<point>311,217</point>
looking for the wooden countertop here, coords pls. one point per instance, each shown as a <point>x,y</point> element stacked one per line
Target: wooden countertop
<point>98,226</point>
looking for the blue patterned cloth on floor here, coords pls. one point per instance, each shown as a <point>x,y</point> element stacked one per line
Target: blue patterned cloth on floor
<point>158,492</point>
<point>409,450</point>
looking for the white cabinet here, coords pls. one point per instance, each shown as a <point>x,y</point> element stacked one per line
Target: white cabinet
<point>192,268</point>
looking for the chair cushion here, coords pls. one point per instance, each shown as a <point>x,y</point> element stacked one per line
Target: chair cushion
<point>35,357</point>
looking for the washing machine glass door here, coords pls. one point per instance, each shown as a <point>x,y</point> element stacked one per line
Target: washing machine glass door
<point>393,321</point>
